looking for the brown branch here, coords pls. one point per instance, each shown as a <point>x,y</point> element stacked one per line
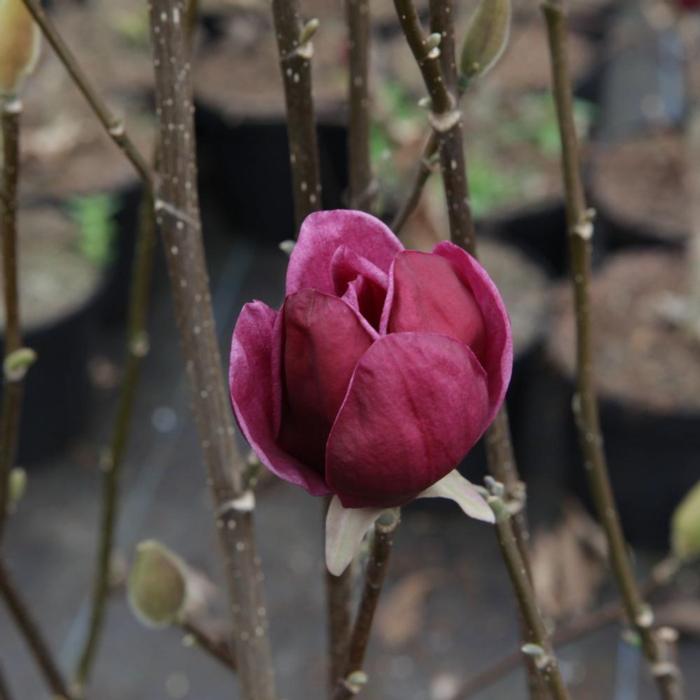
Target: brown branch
<point>32,635</point>
<point>361,183</point>
<point>543,652</point>
<point>295,52</point>
<point>377,567</point>
<point>666,673</point>
<point>501,459</point>
<point>12,386</point>
<point>137,347</point>
<point>114,127</point>
<point>446,122</point>
<point>177,214</point>
<point>216,647</point>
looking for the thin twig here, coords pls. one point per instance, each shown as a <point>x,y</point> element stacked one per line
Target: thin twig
<point>578,628</point>
<point>32,636</point>
<point>113,126</point>
<point>579,219</point>
<point>177,214</point>
<point>113,458</point>
<point>12,386</point>
<point>377,566</point>
<point>295,52</point>
<point>216,647</point>
<point>361,183</point>
<point>541,647</point>
<point>424,170</point>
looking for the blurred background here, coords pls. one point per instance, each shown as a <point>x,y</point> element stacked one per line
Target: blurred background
<point>447,612</point>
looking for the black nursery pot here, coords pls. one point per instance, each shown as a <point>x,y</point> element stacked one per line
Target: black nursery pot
<point>540,232</point>
<point>248,161</point>
<point>653,463</point>
<point>57,387</point>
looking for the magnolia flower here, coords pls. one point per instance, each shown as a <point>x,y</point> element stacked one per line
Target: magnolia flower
<point>380,372</point>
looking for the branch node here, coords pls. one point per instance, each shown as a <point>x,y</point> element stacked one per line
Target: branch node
<point>442,123</point>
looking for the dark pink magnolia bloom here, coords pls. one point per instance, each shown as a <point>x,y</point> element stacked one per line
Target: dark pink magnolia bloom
<point>382,369</point>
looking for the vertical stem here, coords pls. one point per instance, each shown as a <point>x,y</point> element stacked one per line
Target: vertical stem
<point>295,52</point>
<point>447,129</point>
<point>445,119</point>
<point>666,674</point>
<point>112,460</point>
<point>545,660</point>
<point>374,580</point>
<point>358,14</point>
<point>12,389</point>
<point>338,602</point>
<point>32,635</point>
<point>177,215</point>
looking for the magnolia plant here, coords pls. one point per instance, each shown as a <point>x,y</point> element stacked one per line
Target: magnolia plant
<point>381,370</point>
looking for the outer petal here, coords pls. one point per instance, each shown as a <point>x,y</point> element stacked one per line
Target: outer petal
<point>427,296</point>
<point>323,342</point>
<point>323,232</point>
<point>497,357</point>
<point>255,391</point>
<point>417,403</point>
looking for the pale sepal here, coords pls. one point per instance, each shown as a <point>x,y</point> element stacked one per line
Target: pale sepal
<point>345,530</point>
<point>455,487</point>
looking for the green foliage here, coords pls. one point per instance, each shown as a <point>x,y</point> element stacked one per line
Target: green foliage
<point>94,215</point>
<point>132,28</point>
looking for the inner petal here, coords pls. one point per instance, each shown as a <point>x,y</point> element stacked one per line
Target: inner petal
<point>428,296</point>
<point>323,341</point>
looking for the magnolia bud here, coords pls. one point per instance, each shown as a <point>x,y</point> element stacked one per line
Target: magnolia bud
<point>17,363</point>
<point>19,45</point>
<point>685,526</point>
<point>157,585</point>
<point>486,38</point>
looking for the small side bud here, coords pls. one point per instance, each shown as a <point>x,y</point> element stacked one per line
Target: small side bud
<point>309,30</point>
<point>157,585</point>
<point>19,45</point>
<point>17,487</point>
<point>486,38</point>
<point>433,41</point>
<point>17,363</point>
<point>685,526</point>
<point>287,246</point>
<point>356,681</point>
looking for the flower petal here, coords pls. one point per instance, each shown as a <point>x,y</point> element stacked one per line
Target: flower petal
<point>345,530</point>
<point>323,341</point>
<point>427,296</point>
<point>455,487</point>
<point>497,357</point>
<point>256,390</point>
<point>417,403</point>
<point>323,232</point>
